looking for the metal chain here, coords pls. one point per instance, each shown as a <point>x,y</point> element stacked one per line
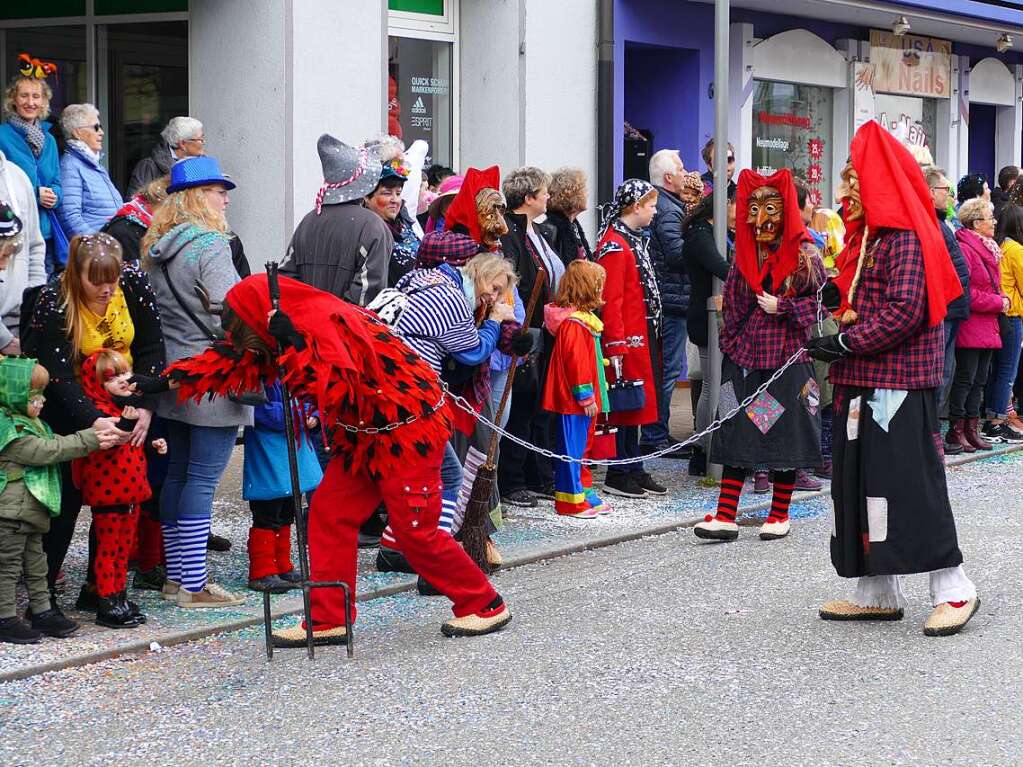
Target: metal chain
<point>716,424</point>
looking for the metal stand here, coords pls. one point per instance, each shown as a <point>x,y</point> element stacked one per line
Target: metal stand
<point>300,518</point>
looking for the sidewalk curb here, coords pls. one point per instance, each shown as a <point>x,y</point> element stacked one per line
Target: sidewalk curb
<point>530,557</point>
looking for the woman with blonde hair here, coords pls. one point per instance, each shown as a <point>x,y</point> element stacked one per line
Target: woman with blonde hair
<point>98,303</point>
<point>569,198</point>
<point>188,245</point>
<point>25,140</point>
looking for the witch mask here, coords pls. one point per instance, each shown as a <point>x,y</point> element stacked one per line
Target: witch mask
<point>490,209</point>
<point>849,193</point>
<point>766,215</point>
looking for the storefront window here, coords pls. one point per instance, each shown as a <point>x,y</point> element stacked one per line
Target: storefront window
<point>419,95</point>
<point>792,129</point>
<point>913,120</point>
<point>147,85</point>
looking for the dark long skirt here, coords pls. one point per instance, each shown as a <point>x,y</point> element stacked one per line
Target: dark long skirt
<point>779,430</point>
<point>892,514</point>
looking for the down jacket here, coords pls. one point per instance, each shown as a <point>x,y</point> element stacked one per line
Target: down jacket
<point>666,254</point>
<point>980,329</point>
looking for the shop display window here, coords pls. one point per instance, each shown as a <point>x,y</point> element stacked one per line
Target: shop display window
<point>792,128</point>
<point>419,94</point>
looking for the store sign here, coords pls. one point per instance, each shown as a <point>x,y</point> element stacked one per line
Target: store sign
<point>910,65</point>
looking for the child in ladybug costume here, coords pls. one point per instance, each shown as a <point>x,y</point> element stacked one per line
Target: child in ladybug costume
<point>113,483</point>
<point>362,380</point>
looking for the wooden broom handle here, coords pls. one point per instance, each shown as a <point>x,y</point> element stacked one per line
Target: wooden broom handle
<point>534,297</point>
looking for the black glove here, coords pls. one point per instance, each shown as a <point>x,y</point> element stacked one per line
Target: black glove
<point>830,296</point>
<point>283,329</point>
<point>149,384</point>
<point>522,344</point>
<point>827,348</point>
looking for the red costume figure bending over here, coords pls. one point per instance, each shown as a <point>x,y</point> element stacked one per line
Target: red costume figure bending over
<point>361,377</point>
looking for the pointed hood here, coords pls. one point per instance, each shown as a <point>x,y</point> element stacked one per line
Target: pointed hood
<point>462,210</point>
<point>782,262</point>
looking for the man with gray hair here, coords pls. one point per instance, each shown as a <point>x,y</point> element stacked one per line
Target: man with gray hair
<point>666,174</point>
<point>183,137</point>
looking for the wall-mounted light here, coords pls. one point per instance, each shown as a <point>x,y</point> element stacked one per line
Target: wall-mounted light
<point>1003,43</point>
<point>900,26</point>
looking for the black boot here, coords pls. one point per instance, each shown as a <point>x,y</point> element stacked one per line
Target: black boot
<point>16,631</point>
<point>52,622</point>
<point>133,608</point>
<point>218,543</point>
<point>698,463</point>
<point>392,561</point>
<point>115,614</point>
<point>426,589</point>
<point>272,583</point>
<point>88,599</point>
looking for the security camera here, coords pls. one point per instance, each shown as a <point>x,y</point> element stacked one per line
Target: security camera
<point>1003,43</point>
<point>901,26</point>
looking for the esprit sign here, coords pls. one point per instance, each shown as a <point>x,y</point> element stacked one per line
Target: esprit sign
<point>910,65</point>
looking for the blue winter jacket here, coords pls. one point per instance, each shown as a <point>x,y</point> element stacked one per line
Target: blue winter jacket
<point>265,472</point>
<point>666,254</point>
<point>41,171</point>
<point>90,197</point>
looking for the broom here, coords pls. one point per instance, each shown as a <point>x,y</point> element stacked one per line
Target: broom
<point>477,509</point>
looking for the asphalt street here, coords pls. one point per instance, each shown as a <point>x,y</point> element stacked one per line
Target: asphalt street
<point>664,651</point>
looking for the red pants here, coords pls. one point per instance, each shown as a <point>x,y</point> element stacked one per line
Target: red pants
<point>344,501</point>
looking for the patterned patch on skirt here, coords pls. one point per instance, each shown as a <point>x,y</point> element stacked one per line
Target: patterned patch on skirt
<point>726,399</point>
<point>811,395</point>
<point>765,411</point>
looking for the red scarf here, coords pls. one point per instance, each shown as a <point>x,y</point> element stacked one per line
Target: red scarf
<point>783,261</point>
<point>138,209</point>
<point>894,195</point>
<point>94,388</point>
<point>463,208</point>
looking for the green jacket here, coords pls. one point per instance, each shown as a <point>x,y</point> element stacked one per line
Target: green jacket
<point>19,498</point>
<point>29,453</point>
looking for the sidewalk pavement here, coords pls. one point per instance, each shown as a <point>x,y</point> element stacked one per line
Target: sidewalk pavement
<point>529,535</point>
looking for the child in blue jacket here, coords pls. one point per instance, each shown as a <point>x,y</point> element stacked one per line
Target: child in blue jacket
<point>266,485</point>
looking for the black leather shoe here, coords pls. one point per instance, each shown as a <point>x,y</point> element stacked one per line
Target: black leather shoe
<point>53,623</point>
<point>115,614</point>
<point>521,498</point>
<point>133,608</point>
<point>291,578</point>
<point>15,631</point>
<point>623,485</point>
<point>218,543</point>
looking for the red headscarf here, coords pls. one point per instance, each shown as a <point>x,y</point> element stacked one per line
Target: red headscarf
<point>94,388</point>
<point>463,208</point>
<point>895,196</point>
<point>783,261</point>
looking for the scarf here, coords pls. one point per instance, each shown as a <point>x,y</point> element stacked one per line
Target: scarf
<point>84,149</point>
<point>35,136</point>
<point>894,195</point>
<point>629,193</point>
<point>138,210</point>
<point>783,261</point>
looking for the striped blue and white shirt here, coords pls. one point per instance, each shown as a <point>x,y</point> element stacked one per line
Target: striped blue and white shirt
<point>438,320</point>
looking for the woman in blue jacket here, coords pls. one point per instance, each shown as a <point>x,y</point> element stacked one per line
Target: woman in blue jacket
<point>25,140</point>
<point>266,485</point>
<point>90,197</point>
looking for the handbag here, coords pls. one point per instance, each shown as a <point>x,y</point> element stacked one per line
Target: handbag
<point>253,398</point>
<point>626,393</point>
<point>604,446</point>
<point>528,368</point>
<point>61,244</point>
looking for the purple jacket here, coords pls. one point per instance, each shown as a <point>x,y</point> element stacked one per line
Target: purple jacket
<point>980,329</point>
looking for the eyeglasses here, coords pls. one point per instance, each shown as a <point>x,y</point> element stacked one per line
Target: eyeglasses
<point>942,188</point>
<point>97,127</point>
<point>197,140</point>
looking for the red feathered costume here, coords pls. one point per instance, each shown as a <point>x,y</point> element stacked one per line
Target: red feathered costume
<point>356,372</point>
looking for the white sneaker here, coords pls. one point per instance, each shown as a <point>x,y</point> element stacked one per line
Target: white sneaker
<point>713,529</point>
<point>210,596</point>
<point>772,531</point>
